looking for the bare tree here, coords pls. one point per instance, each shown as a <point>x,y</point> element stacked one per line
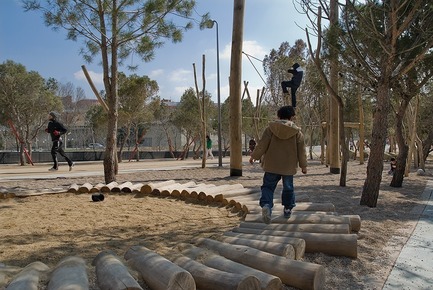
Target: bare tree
<point>116,29</point>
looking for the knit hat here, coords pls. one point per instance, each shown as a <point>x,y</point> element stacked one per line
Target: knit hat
<point>286,112</point>
<point>53,114</point>
<point>296,65</point>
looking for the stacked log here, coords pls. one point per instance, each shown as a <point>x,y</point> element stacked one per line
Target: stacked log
<point>302,275</point>
<point>158,272</point>
<point>332,244</point>
<point>216,261</point>
<point>213,279</point>
<point>297,243</point>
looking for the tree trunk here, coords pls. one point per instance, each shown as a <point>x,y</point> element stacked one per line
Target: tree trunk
<point>235,89</point>
<point>397,179</point>
<point>370,191</point>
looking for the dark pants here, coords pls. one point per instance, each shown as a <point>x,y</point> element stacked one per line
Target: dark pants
<point>58,148</point>
<point>270,181</point>
<point>293,89</point>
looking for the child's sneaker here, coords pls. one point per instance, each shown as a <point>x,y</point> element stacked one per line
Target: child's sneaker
<point>287,212</point>
<point>71,166</point>
<point>52,169</point>
<point>266,214</point>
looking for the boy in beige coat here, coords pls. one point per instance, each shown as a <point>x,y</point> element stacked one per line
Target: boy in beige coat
<point>283,149</point>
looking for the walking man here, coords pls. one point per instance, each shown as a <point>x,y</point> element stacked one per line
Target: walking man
<point>282,145</point>
<point>56,130</point>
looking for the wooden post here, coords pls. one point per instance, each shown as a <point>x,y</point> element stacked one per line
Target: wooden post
<point>235,89</point>
<point>95,91</point>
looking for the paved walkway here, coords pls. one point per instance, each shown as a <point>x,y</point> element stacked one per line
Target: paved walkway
<point>412,270</point>
<point>414,266</point>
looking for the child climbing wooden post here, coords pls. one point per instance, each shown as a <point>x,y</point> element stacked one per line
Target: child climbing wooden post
<point>293,84</point>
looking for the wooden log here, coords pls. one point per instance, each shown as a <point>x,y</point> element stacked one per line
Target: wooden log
<point>148,188</point>
<point>73,188</point>
<point>186,192</point>
<point>257,217</point>
<point>331,244</point>
<point>299,274</point>
<point>108,187</point>
<point>167,190</point>
<point>355,222</point>
<point>194,193</point>
<point>70,273</point>
<point>300,206</point>
<point>126,187</point>
<point>158,272</point>
<point>253,200</point>
<point>267,281</point>
<point>217,192</point>
<point>28,278</point>
<point>306,219</point>
<point>136,188</point>
<point>279,249</point>
<point>6,272</point>
<point>96,188</point>
<point>213,279</point>
<point>111,273</point>
<point>157,191</point>
<point>118,188</point>
<point>85,188</point>
<point>240,192</point>
<point>308,228</point>
<point>297,244</point>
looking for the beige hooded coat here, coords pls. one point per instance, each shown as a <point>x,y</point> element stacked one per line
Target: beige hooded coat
<point>282,147</point>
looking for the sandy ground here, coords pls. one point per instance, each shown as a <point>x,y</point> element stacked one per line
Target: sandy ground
<point>49,228</point>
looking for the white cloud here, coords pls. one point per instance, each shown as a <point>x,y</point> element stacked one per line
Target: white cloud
<point>250,47</point>
<point>156,73</point>
<point>181,76</point>
<point>97,78</point>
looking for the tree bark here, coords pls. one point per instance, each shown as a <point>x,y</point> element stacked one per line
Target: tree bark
<point>397,179</point>
<point>370,190</point>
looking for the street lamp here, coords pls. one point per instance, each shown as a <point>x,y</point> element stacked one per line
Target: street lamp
<point>220,157</point>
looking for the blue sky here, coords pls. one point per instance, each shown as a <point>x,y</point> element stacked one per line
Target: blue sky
<point>26,40</point>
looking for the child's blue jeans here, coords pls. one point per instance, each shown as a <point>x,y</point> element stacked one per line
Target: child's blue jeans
<point>270,181</point>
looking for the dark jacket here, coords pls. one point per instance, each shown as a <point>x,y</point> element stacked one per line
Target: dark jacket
<point>282,147</point>
<point>55,129</point>
<point>297,73</point>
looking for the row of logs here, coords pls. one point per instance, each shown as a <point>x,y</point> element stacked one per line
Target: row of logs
<point>206,264</point>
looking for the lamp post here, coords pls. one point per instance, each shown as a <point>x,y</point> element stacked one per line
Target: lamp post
<point>220,157</point>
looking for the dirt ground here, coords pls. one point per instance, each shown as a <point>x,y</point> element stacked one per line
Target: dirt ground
<point>49,228</point>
